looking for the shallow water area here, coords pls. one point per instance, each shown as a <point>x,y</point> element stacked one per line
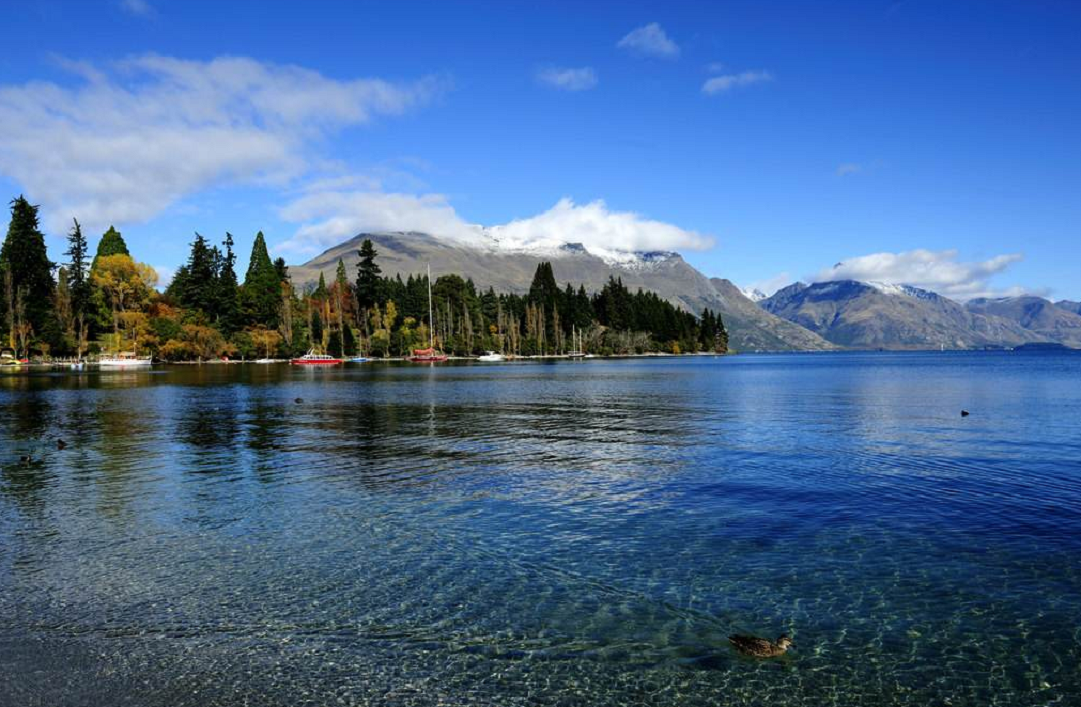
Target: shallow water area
<point>545,533</point>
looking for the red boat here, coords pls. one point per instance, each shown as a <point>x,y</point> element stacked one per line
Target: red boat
<point>427,356</point>
<point>314,359</point>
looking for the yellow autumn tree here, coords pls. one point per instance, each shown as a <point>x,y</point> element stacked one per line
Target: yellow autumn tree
<point>127,287</point>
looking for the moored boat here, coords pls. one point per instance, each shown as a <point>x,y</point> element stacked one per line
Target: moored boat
<point>429,355</point>
<point>313,359</point>
<point>359,359</point>
<point>125,360</point>
<point>7,358</point>
<point>492,357</point>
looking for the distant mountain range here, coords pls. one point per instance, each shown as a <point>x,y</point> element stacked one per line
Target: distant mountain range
<point>816,317</point>
<point>866,315</point>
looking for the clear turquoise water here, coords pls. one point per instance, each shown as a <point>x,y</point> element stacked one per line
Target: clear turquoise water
<point>578,533</point>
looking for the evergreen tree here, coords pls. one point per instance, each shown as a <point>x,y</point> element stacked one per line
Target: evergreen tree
<point>281,268</point>
<point>321,292</point>
<point>78,285</point>
<point>111,243</point>
<point>349,341</point>
<point>227,291</point>
<point>195,284</point>
<point>368,277</point>
<point>26,270</point>
<point>317,330</point>
<point>261,295</point>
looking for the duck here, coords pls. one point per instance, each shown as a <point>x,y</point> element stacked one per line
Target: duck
<point>299,401</point>
<point>761,647</point>
<point>964,413</point>
<point>61,444</point>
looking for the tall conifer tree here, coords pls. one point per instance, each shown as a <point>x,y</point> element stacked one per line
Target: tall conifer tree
<point>261,294</point>
<point>23,255</point>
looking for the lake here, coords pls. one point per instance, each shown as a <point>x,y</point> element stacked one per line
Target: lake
<point>545,533</point>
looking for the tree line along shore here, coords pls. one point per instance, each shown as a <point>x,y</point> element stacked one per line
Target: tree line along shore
<point>109,303</point>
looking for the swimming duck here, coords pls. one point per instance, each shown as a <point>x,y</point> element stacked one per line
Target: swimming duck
<point>61,444</point>
<point>760,647</point>
<point>964,413</point>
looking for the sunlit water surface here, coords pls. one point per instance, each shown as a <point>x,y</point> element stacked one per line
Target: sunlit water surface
<point>577,533</point>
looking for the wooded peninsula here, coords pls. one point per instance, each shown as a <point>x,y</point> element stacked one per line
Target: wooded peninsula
<point>110,303</point>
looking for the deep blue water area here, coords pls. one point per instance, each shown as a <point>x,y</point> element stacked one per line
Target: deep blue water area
<point>545,533</point>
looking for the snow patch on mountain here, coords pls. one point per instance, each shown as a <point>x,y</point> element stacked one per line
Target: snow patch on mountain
<point>890,288</point>
<point>753,293</point>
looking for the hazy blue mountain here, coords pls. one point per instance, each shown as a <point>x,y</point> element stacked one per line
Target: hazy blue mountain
<point>1069,306</point>
<point>1035,314</point>
<point>873,315</point>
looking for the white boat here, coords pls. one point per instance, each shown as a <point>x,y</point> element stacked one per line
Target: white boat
<point>125,360</point>
<point>265,360</point>
<point>359,359</point>
<point>492,357</point>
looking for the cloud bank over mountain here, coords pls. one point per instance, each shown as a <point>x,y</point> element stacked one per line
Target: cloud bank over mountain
<point>327,218</point>
<point>938,271</point>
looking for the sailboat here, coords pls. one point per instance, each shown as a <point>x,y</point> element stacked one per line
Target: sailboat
<point>576,342</point>
<point>429,355</point>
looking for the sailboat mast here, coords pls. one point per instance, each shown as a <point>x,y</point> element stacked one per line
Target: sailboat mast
<point>431,322</point>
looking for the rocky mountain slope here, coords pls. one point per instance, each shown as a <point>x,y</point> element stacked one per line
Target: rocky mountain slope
<point>1047,321</point>
<point>1069,306</point>
<point>871,316</point>
<point>752,328</point>
<point>666,273</point>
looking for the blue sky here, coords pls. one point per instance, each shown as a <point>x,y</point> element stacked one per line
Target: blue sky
<point>925,142</point>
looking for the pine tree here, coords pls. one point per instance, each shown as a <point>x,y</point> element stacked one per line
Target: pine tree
<point>194,285</point>
<point>24,259</point>
<point>261,295</point>
<point>316,335</point>
<point>78,285</point>
<point>368,277</point>
<point>227,290</point>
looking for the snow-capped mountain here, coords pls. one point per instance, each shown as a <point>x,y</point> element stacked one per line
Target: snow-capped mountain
<point>510,266</point>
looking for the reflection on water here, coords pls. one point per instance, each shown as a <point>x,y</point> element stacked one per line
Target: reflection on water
<point>574,533</point>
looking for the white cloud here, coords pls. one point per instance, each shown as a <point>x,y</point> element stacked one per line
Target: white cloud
<point>129,139</point>
<point>142,8</point>
<point>725,83</point>
<point>326,219</point>
<point>715,67</point>
<point>600,230</point>
<point>581,79</point>
<point>938,271</point>
<point>846,168</point>
<point>650,40</point>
